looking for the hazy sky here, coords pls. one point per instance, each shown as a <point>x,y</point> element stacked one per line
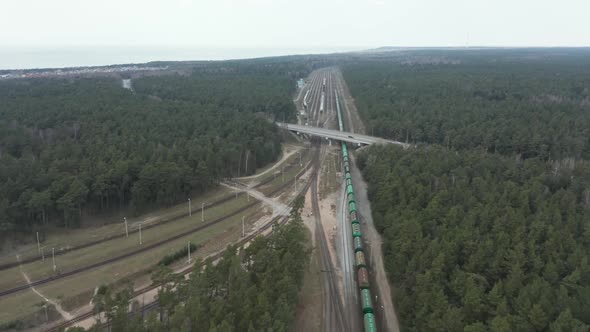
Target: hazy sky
<point>295,23</point>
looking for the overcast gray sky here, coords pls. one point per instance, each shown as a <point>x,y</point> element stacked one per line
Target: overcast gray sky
<point>300,23</point>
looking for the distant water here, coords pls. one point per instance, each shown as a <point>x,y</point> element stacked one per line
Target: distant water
<point>59,57</point>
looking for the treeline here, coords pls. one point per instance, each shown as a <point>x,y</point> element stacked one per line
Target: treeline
<point>480,242</point>
<point>527,102</point>
<point>255,290</point>
<point>236,87</point>
<point>75,147</point>
<point>486,227</point>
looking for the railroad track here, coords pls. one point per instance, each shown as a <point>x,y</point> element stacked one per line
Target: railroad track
<point>142,249</point>
<point>333,309</point>
<point>220,201</point>
<point>334,319</point>
<point>277,220</point>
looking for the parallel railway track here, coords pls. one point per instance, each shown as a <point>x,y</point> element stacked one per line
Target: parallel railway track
<point>334,317</point>
<point>140,250</point>
<point>334,310</point>
<point>333,307</point>
<point>220,201</point>
<point>277,220</point>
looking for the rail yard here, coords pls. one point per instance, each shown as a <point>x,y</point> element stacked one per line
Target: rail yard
<point>347,303</point>
<point>83,272</point>
<point>348,298</point>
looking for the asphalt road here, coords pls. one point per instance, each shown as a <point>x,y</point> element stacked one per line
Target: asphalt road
<point>348,137</point>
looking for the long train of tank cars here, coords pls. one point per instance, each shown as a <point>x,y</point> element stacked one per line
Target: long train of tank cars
<point>359,253</point>
<point>360,262</point>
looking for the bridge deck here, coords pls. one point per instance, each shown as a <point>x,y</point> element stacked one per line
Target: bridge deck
<point>339,135</point>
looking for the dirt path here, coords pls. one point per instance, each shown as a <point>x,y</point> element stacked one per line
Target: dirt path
<point>278,208</point>
<point>66,315</point>
<point>292,150</point>
<point>352,114</point>
<point>328,219</point>
<point>307,217</point>
<point>281,205</point>
<point>383,289</point>
<point>311,298</point>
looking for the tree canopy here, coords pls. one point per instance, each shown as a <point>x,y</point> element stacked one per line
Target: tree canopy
<point>74,146</point>
<point>534,103</point>
<point>486,227</point>
<point>481,242</point>
<point>252,290</point>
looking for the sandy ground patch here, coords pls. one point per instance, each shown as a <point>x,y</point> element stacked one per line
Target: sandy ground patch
<point>211,247</point>
<point>382,289</point>
<point>62,312</point>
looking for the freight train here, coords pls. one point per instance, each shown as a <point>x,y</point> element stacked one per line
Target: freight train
<point>360,260</point>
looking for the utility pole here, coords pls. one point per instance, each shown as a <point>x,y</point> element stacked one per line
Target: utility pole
<point>43,254</point>
<point>140,242</point>
<point>38,244</point>
<point>53,257</point>
<point>203,212</point>
<point>190,211</point>
<point>243,227</point>
<point>126,229</point>
<point>46,314</point>
<point>188,248</point>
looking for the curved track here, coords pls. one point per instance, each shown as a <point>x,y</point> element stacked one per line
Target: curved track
<point>132,231</point>
<point>138,251</point>
<point>279,219</point>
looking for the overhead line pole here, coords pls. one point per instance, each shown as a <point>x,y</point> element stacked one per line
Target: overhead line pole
<point>53,258</point>
<point>38,244</point>
<point>126,228</point>
<point>188,247</point>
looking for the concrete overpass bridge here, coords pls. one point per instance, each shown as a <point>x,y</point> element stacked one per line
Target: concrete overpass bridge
<point>339,135</point>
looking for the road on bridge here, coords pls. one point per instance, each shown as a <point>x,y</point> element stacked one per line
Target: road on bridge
<point>339,135</point>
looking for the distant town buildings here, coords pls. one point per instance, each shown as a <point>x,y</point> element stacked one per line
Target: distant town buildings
<point>127,84</point>
<point>77,71</point>
<point>300,83</point>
